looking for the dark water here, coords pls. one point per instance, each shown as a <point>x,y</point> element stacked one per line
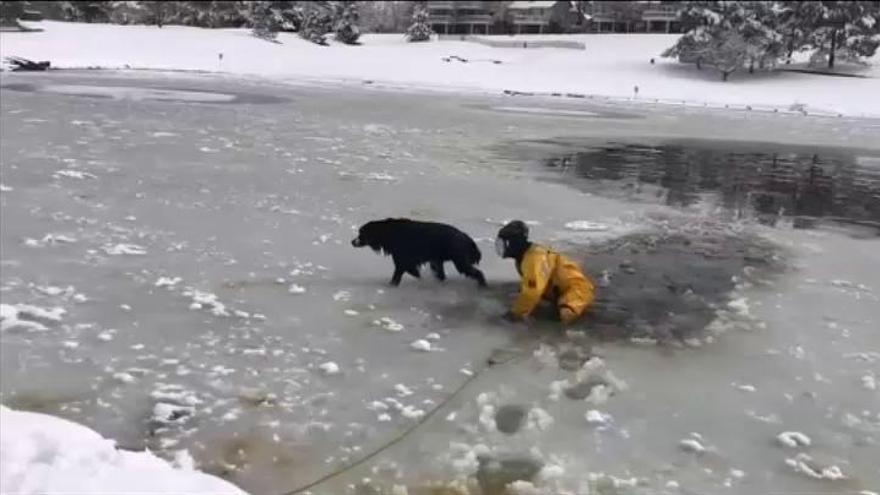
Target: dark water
<point>811,186</point>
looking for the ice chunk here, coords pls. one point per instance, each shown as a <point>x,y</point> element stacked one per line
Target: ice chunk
<point>793,439</point>
<point>539,419</point>
<point>120,249</point>
<point>692,444</point>
<point>329,368</point>
<point>586,226</point>
<point>388,324</point>
<point>167,281</point>
<point>804,464</point>
<point>421,345</point>
<point>595,417</point>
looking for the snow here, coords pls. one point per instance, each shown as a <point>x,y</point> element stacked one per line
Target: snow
<point>329,368</point>
<point>793,439</point>
<point>120,249</point>
<point>421,345</point>
<point>595,417</point>
<point>611,65</point>
<point>23,316</point>
<point>693,444</point>
<point>388,324</point>
<point>42,454</point>
<point>804,464</point>
<point>586,226</point>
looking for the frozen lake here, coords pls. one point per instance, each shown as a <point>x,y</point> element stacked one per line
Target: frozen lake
<point>177,273</point>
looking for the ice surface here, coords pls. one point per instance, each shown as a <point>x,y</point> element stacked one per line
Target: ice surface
<point>246,396</point>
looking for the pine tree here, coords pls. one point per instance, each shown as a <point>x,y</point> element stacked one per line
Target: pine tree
<point>346,23</point>
<point>793,21</point>
<point>265,20</point>
<point>317,23</point>
<point>420,29</point>
<point>10,12</point>
<point>850,29</point>
<point>729,35</point>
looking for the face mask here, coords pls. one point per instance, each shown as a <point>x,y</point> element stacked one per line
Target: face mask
<point>500,246</point>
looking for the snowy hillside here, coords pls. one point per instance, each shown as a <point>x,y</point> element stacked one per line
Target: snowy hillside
<point>611,65</point>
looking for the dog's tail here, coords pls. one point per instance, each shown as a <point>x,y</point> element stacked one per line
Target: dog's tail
<point>475,255</point>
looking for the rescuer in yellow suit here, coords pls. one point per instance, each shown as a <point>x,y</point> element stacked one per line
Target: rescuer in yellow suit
<point>545,274</point>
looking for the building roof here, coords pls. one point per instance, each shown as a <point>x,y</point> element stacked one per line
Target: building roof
<point>524,5</point>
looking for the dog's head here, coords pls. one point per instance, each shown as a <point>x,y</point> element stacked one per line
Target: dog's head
<point>373,234</point>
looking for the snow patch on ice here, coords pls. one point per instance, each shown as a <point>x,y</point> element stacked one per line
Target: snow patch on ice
<point>73,174</point>
<point>28,317</point>
<point>388,324</point>
<point>595,417</point>
<point>793,439</point>
<point>329,368</point>
<point>46,454</point>
<point>120,249</point>
<point>167,281</point>
<point>803,463</point>
<point>586,226</point>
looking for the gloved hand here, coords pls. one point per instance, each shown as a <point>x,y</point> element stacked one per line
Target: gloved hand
<point>510,317</point>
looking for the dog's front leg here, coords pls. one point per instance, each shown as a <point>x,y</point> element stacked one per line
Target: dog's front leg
<point>399,270</point>
<point>398,274</point>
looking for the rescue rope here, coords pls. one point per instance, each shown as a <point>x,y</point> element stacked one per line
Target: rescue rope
<point>490,362</point>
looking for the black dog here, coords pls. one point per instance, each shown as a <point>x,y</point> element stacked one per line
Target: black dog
<point>412,244</point>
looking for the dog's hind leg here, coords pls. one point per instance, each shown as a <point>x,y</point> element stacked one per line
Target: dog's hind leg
<point>471,272</point>
<point>437,268</point>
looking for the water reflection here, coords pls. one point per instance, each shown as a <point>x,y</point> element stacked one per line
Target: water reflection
<point>765,184</point>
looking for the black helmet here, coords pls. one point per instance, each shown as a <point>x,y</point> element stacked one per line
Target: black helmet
<point>514,235</point>
<point>513,230</point>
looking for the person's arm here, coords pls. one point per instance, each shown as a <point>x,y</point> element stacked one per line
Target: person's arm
<point>535,277</point>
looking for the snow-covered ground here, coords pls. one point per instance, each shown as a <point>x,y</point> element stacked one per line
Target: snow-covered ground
<point>610,66</point>
<point>42,454</point>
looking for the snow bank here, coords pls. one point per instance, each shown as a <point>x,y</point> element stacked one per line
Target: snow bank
<point>42,454</point>
<point>611,65</point>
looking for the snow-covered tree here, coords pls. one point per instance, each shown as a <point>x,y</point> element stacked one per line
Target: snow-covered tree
<point>847,29</point>
<point>10,12</point>
<point>346,22</point>
<point>793,20</point>
<point>317,23</point>
<point>420,29</point>
<point>724,34</point>
<point>265,20</point>
<point>84,11</point>
<point>119,12</point>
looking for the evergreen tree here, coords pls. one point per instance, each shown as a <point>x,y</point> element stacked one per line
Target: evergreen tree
<point>729,35</point>
<point>850,29</point>
<point>10,12</point>
<point>346,23</point>
<point>420,29</point>
<point>265,20</point>
<point>317,23</point>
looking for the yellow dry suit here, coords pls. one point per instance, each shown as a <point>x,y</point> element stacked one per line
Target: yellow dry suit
<point>549,275</point>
